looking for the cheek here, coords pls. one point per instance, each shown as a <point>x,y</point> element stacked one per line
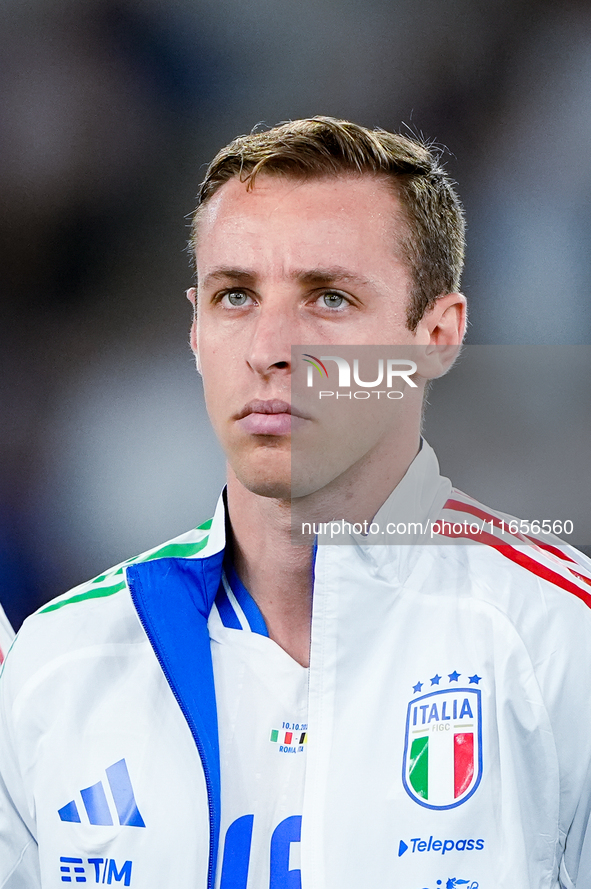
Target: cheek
<point>344,432</point>
<point>210,355</point>
<point>216,403</point>
<point>216,378</point>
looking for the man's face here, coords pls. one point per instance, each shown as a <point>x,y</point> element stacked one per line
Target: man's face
<point>293,262</point>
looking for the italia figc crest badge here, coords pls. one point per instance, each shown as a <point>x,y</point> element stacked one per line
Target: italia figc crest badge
<point>442,764</point>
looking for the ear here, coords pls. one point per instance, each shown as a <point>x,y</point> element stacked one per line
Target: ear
<point>441,330</point>
<point>192,297</point>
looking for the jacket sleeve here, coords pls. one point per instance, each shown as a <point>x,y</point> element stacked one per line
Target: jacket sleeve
<point>6,635</point>
<point>19,858</point>
<point>575,868</point>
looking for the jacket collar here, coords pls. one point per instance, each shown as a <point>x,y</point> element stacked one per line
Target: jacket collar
<point>416,501</point>
<point>418,498</point>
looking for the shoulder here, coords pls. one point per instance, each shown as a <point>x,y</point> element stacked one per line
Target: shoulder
<point>541,584</point>
<point>533,592</point>
<point>112,581</point>
<point>90,617</point>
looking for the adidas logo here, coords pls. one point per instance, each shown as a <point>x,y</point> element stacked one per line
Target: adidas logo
<point>96,803</point>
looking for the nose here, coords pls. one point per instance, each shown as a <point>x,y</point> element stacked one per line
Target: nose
<point>272,338</point>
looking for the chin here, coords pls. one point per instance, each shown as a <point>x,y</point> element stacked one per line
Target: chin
<point>266,476</point>
<point>277,486</point>
<point>270,474</point>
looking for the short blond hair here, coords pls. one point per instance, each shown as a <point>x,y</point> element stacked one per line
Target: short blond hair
<point>323,146</point>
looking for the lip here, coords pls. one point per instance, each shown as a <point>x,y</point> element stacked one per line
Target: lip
<point>272,417</point>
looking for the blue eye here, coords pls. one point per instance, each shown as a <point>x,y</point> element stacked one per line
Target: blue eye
<point>237,298</point>
<point>333,300</point>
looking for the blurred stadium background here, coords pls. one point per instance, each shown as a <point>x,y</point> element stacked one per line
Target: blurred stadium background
<point>109,111</point>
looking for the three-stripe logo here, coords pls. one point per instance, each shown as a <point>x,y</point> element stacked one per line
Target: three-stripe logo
<point>96,803</point>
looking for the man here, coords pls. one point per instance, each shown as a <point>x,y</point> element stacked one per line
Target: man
<point>237,711</point>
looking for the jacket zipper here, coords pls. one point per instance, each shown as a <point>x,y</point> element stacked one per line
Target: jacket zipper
<point>191,724</point>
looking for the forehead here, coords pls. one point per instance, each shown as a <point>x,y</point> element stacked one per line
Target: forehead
<point>347,219</point>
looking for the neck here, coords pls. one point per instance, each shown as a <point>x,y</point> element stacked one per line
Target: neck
<point>278,572</point>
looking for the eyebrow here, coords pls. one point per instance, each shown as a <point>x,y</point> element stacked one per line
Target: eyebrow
<point>316,277</point>
<point>228,274</point>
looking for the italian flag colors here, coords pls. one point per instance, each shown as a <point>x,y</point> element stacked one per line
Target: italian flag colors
<point>433,769</point>
<point>288,738</point>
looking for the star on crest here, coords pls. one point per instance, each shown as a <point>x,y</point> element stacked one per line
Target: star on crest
<point>416,688</point>
<point>435,679</point>
<point>474,680</point>
<point>453,677</point>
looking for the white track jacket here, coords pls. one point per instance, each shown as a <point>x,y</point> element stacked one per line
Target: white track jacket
<point>6,635</point>
<point>449,718</point>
